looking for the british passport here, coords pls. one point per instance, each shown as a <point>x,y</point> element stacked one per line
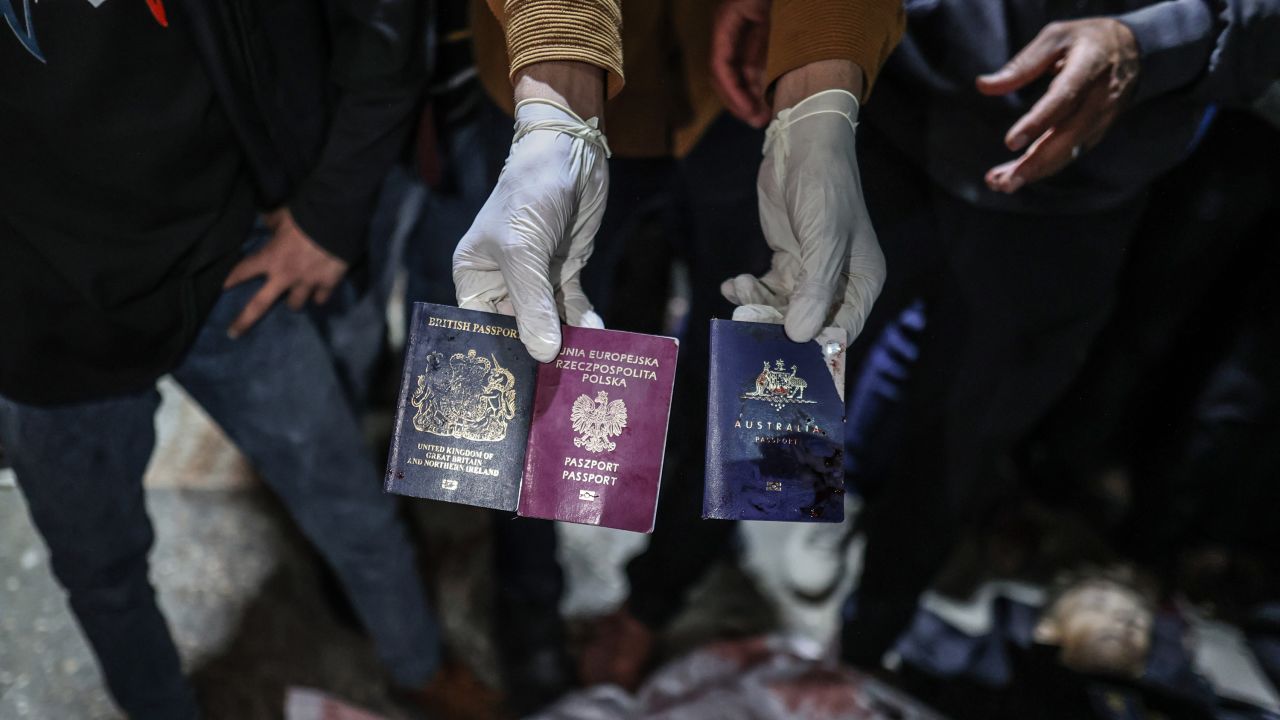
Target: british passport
<point>599,430</point>
<point>462,419</point>
<point>775,425</point>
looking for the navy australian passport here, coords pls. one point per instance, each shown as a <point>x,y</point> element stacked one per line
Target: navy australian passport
<point>775,425</point>
<point>462,419</point>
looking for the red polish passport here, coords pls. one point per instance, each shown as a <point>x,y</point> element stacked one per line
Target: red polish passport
<point>599,430</point>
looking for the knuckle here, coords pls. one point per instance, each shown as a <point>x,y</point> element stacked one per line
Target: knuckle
<point>1052,31</point>
<point>1058,29</point>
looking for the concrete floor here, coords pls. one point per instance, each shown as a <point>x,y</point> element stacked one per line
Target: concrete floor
<point>254,613</point>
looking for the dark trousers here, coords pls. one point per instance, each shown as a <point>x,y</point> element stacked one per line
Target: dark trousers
<point>1014,302</point>
<point>715,221</point>
<point>276,394</point>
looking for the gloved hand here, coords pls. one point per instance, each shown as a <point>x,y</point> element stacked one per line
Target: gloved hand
<point>527,246</point>
<point>827,267</point>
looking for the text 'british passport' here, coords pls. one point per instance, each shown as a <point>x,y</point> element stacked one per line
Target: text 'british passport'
<point>462,419</point>
<point>775,425</point>
<point>599,430</point>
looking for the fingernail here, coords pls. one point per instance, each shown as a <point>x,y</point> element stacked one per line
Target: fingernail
<point>233,335</point>
<point>1017,142</point>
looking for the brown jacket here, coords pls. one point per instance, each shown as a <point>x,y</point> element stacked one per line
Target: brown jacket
<point>669,99</point>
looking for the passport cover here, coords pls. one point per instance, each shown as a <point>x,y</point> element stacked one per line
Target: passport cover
<point>775,425</point>
<point>599,430</point>
<point>462,419</point>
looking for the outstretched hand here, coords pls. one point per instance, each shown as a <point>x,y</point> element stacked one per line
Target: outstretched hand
<point>1095,63</point>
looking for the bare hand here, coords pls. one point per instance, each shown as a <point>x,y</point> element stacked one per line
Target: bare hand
<point>292,263</point>
<point>739,39</point>
<point>1096,64</point>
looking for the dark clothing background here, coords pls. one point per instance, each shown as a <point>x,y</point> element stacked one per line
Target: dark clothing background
<point>1014,303</point>
<point>1184,390</point>
<point>127,135</point>
<point>123,199</point>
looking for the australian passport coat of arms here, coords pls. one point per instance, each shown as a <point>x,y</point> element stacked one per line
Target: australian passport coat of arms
<point>778,387</point>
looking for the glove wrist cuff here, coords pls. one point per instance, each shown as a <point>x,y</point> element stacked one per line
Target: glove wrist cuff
<point>573,125</point>
<point>834,94</point>
<point>835,101</point>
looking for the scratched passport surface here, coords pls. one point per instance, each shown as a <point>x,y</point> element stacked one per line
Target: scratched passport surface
<point>775,426</point>
<point>599,430</point>
<point>462,419</point>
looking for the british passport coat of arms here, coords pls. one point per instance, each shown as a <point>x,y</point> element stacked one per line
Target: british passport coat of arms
<point>462,419</point>
<point>775,426</point>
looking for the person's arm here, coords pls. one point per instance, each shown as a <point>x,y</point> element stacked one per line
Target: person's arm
<point>1225,51</point>
<point>822,58</point>
<point>379,76</point>
<point>526,249</point>
<point>323,227</point>
<point>757,43</point>
<point>862,32</point>
<point>563,31</point>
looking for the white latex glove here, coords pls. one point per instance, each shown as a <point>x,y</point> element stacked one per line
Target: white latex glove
<point>525,250</point>
<point>827,267</point>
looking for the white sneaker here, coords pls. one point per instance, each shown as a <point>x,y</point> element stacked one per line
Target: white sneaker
<point>816,556</point>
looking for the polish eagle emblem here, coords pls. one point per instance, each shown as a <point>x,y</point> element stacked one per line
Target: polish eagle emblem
<point>597,420</point>
<point>470,397</point>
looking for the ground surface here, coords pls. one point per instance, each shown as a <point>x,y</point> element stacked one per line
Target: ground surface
<point>254,613</point>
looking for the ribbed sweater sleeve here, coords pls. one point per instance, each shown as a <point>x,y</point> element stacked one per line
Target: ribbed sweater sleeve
<point>805,31</point>
<point>587,31</point>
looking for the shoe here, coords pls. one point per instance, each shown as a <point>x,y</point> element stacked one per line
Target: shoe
<point>816,557</point>
<point>619,651</point>
<point>453,693</point>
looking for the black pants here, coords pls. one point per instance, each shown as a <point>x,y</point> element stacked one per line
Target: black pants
<point>715,222</point>
<point>1014,302</point>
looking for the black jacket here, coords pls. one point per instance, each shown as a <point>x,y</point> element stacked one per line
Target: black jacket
<point>317,95</point>
<point>321,95</point>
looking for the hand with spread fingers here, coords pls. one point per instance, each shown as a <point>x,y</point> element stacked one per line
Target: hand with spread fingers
<point>827,266</point>
<point>292,264</point>
<point>1095,63</point>
<point>526,249</point>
